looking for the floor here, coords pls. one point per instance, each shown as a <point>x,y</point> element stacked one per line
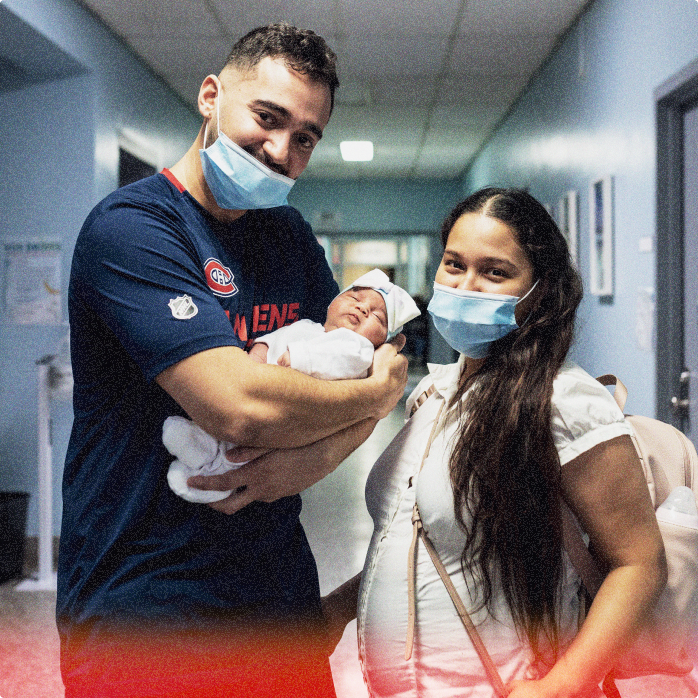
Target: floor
<point>28,644</point>
<point>338,527</point>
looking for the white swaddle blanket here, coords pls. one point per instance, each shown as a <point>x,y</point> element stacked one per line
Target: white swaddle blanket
<point>198,453</point>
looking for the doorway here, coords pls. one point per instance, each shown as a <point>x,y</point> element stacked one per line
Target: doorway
<point>688,408</point>
<point>132,168</point>
<point>677,250</point>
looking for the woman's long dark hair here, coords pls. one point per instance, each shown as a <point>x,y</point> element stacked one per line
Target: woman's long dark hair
<point>505,470</point>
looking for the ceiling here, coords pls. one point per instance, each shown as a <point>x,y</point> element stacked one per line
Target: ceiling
<point>426,80</point>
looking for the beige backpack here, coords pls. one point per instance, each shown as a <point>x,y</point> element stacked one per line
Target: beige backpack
<point>669,460</point>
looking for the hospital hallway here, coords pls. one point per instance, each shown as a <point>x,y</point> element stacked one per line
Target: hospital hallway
<point>339,530</point>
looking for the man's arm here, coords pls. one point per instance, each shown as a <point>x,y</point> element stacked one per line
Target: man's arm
<point>236,399</point>
<point>283,472</point>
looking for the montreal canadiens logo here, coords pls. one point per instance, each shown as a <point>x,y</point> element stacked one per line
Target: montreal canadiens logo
<point>219,278</point>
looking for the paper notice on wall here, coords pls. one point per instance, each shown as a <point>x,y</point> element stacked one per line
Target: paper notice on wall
<point>32,281</point>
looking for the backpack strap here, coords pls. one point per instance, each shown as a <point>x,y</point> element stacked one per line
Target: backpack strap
<point>490,668</point>
<point>416,524</point>
<point>421,399</point>
<point>417,533</point>
<point>620,394</point>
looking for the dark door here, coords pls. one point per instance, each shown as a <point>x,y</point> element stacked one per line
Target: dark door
<point>132,168</point>
<point>688,397</point>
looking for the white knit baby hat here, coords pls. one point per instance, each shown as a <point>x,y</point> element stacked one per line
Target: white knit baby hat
<point>399,304</point>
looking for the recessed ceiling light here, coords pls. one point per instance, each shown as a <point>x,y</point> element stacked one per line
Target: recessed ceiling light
<point>356,151</point>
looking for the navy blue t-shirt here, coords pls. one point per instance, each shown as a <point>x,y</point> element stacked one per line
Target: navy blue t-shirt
<point>155,279</point>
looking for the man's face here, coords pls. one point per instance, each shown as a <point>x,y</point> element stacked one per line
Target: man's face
<point>361,310</point>
<point>274,113</point>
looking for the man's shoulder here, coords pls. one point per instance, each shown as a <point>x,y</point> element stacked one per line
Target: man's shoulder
<point>151,201</point>
<point>149,192</point>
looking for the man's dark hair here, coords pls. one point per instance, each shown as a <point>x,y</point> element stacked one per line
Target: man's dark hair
<point>301,49</point>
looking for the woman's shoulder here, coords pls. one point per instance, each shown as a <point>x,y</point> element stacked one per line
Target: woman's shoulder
<point>584,412</point>
<point>572,380</point>
<point>574,388</point>
<point>571,377</point>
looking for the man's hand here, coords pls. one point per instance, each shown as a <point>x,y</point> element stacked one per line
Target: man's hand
<point>339,609</point>
<point>390,366</point>
<point>282,472</point>
<point>285,359</point>
<point>258,352</point>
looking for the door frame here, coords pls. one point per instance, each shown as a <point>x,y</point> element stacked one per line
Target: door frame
<point>671,100</point>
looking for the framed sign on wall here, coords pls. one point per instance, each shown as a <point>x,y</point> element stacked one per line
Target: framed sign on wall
<point>601,236</point>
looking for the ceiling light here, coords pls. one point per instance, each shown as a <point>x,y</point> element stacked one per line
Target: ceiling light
<point>356,151</point>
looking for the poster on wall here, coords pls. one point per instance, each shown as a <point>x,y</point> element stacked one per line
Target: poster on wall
<point>32,281</point>
<point>601,236</point>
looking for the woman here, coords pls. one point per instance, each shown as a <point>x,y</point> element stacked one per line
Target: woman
<point>520,428</point>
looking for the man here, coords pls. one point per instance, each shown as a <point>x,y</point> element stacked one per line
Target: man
<point>172,277</point>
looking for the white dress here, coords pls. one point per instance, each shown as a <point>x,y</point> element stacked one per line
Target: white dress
<point>444,663</point>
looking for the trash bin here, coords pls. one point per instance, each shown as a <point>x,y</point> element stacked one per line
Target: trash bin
<point>13,523</point>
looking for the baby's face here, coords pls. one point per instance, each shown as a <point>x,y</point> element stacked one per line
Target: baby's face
<point>361,310</point>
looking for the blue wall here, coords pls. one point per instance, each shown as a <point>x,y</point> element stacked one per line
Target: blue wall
<point>590,112</point>
<point>376,206</point>
<point>59,156</point>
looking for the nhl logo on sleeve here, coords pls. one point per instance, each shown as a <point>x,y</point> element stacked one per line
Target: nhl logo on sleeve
<point>183,307</point>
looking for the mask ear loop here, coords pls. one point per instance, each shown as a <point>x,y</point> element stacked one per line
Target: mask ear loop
<point>528,293</point>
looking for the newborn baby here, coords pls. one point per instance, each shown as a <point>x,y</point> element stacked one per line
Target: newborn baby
<point>361,318</point>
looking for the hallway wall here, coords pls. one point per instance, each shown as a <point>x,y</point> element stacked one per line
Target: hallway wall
<point>59,157</point>
<point>374,206</point>
<point>588,113</point>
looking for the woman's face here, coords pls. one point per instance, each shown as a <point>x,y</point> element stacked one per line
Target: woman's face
<point>482,254</point>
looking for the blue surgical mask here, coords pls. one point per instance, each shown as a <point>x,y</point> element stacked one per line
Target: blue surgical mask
<point>237,179</point>
<point>470,321</point>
